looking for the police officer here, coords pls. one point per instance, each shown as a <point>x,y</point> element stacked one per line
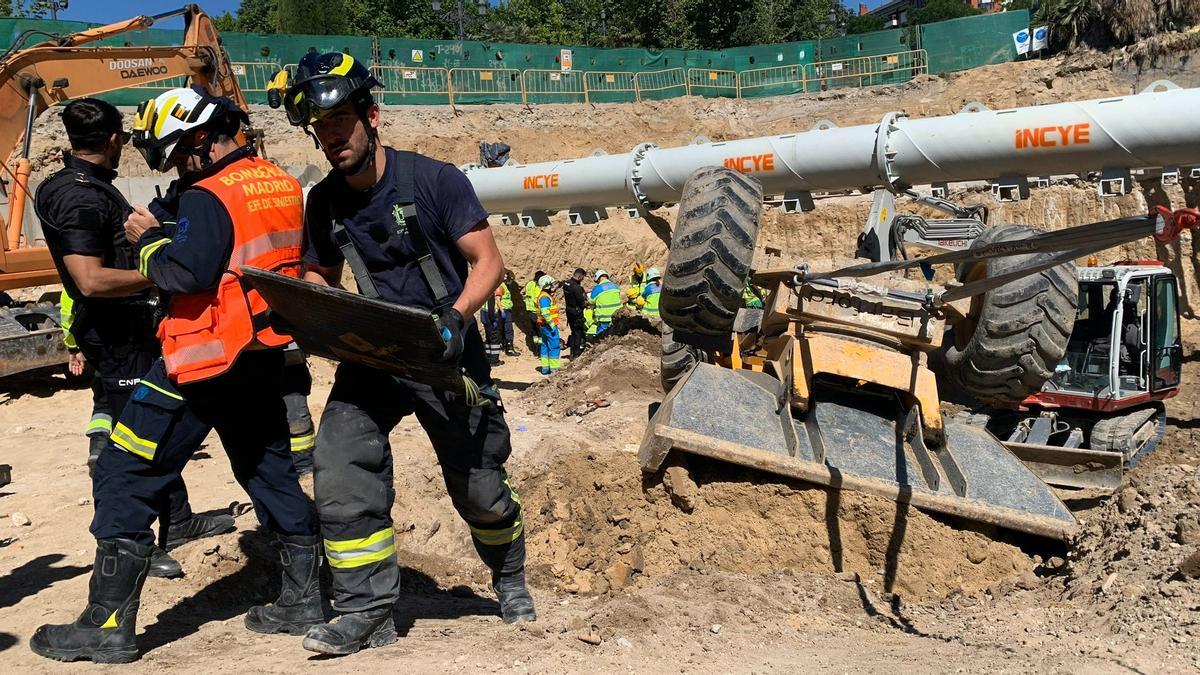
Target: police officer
<point>111,314</point>
<point>221,368</point>
<point>576,301</point>
<point>357,214</point>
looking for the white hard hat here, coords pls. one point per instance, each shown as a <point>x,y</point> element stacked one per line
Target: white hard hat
<point>652,273</point>
<point>599,273</point>
<point>546,281</point>
<point>162,121</point>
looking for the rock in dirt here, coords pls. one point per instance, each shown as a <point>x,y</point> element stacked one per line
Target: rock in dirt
<point>591,636</point>
<point>681,487</point>
<point>1190,567</point>
<point>20,519</point>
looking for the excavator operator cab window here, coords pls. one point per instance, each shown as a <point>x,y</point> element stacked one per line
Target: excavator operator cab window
<point>1164,358</point>
<point>1131,336</point>
<point>1085,368</point>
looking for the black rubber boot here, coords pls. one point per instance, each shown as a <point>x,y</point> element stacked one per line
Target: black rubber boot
<point>163,566</point>
<point>351,632</point>
<point>96,443</point>
<point>511,351</point>
<point>516,604</point>
<point>104,633</point>
<point>198,527</point>
<point>299,604</point>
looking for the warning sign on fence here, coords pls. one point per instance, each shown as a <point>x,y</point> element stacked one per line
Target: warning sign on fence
<point>555,77</point>
<point>609,79</point>
<point>564,59</point>
<point>712,75</point>
<point>418,56</point>
<point>239,69</point>
<point>410,74</point>
<point>835,67</point>
<point>485,75</point>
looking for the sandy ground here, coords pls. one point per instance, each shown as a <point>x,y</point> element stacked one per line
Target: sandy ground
<point>716,570</point>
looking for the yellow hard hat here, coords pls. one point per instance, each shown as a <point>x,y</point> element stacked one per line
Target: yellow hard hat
<point>631,292</point>
<point>638,268</point>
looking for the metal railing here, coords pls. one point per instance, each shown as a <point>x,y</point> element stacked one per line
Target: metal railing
<point>713,83</point>
<point>658,84</point>
<point>412,84</point>
<point>771,81</point>
<point>504,84</point>
<point>419,84</point>
<point>866,71</point>
<point>604,86</point>
<point>554,86</point>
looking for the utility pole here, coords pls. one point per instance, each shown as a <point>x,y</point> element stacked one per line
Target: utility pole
<point>459,14</point>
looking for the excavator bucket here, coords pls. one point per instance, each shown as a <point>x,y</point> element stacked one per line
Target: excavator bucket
<point>850,440</point>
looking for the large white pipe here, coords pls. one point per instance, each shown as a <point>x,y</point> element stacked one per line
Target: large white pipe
<point>1153,130</point>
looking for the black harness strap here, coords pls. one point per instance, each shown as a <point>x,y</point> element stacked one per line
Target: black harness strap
<point>406,224</point>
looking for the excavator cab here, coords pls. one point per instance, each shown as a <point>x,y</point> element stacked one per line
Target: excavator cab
<point>1101,411</point>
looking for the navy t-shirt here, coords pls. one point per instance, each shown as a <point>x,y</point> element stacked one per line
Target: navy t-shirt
<point>447,208</point>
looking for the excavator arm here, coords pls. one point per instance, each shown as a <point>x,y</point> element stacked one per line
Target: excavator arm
<point>35,78</point>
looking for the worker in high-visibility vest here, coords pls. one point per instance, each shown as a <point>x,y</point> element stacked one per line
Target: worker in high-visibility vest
<point>506,313</point>
<point>633,298</point>
<point>752,296</point>
<point>589,323</point>
<point>530,293</point>
<point>606,300</point>
<point>651,292</point>
<point>637,280</point>
<point>547,321</point>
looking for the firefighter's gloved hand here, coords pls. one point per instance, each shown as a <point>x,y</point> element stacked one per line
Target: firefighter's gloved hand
<point>279,324</point>
<point>452,324</point>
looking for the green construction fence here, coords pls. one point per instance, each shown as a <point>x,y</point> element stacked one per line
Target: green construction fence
<point>427,71</point>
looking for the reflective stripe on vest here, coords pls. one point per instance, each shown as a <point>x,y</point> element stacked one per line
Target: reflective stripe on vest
<point>651,308</point>
<point>204,332</point>
<point>607,301</point>
<point>548,314</point>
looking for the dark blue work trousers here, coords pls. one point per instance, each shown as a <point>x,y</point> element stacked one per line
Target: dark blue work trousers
<point>163,425</point>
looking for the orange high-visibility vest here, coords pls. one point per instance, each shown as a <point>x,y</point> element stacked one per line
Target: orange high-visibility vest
<point>548,315</point>
<point>205,332</point>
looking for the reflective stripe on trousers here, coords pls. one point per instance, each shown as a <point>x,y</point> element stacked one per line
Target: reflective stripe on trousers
<point>304,443</point>
<point>358,552</point>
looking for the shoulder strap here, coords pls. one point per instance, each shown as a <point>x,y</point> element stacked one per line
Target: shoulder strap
<point>366,286</point>
<point>82,178</point>
<point>406,190</point>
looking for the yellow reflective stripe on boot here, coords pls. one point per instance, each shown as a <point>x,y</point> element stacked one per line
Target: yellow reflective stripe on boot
<point>124,437</point>
<point>112,621</point>
<point>304,443</point>
<point>359,552</point>
<point>505,535</point>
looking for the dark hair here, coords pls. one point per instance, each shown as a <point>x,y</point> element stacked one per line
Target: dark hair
<point>538,275</point>
<point>579,270</point>
<point>90,122</point>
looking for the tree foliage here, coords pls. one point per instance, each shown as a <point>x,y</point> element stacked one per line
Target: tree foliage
<point>654,24</point>
<point>941,10</point>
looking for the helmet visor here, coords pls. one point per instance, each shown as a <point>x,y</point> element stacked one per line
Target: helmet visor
<point>311,99</point>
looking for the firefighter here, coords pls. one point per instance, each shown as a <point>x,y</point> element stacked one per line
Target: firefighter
<point>109,307</point>
<point>436,231</point>
<point>506,313</point>
<point>221,368</point>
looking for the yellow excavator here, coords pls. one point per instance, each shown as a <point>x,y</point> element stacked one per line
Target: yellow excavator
<point>37,77</point>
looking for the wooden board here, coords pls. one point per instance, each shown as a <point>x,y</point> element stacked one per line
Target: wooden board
<point>344,326</point>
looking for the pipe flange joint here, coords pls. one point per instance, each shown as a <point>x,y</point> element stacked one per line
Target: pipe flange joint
<point>635,173</point>
<point>884,153</point>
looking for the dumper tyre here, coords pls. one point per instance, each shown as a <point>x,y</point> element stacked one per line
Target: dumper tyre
<point>712,248</point>
<point>1017,333</point>
<point>677,359</point>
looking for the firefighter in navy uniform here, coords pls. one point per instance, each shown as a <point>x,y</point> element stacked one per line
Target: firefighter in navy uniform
<point>112,313</point>
<point>221,369</point>
<point>408,226</point>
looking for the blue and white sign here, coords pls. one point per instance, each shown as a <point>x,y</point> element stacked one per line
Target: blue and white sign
<point>1021,39</point>
<point>1041,38</point>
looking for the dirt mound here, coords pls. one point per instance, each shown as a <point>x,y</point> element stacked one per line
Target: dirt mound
<point>1137,560</point>
<point>624,362</point>
<point>598,526</point>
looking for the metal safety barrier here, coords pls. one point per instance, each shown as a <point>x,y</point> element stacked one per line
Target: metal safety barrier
<point>771,81</point>
<point>605,86</point>
<point>713,83</point>
<point>866,71</point>
<point>554,86</point>
<point>502,85</point>
<point>412,84</point>
<point>423,85</point>
<point>658,84</point>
